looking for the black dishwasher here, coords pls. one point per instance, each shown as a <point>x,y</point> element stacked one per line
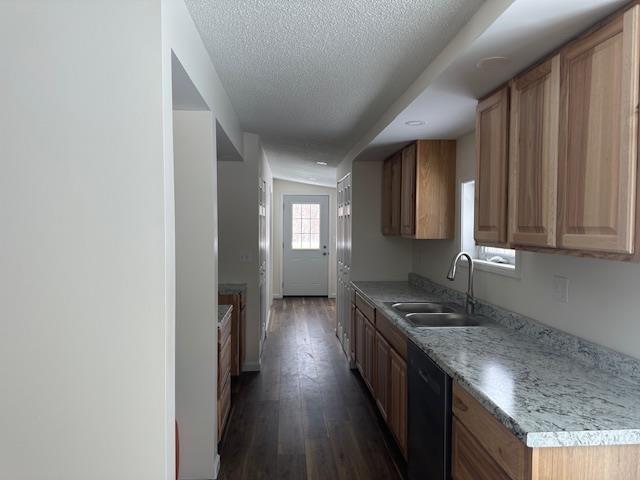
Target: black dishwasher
<point>429,418</point>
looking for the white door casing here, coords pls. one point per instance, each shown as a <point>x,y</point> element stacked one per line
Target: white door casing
<point>305,260</point>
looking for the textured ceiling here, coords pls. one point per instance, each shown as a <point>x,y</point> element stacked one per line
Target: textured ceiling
<point>525,32</point>
<point>320,72</point>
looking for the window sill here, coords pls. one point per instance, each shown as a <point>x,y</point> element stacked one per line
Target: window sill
<point>512,271</point>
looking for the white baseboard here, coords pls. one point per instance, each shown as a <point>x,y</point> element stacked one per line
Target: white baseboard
<point>277,296</point>
<point>251,367</point>
<point>332,295</point>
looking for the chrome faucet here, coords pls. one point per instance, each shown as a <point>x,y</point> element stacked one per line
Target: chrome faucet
<point>471,301</point>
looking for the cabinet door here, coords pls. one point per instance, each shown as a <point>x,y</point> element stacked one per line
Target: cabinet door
<point>492,139</point>
<point>533,158</point>
<point>408,197</point>
<point>598,138</point>
<point>369,354</point>
<point>397,416</point>
<point>360,350</point>
<point>352,332</point>
<point>391,192</point>
<point>469,460</point>
<point>381,372</point>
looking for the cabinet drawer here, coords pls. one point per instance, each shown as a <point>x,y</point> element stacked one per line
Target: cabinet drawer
<point>224,365</point>
<point>470,461</point>
<point>365,307</point>
<point>390,332</point>
<point>510,453</point>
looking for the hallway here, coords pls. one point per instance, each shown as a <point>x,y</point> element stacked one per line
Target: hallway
<point>305,415</point>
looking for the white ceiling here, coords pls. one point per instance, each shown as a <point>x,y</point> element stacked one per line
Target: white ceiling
<point>321,80</point>
<point>313,75</point>
<point>525,32</point>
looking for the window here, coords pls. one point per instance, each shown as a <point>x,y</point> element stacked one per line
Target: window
<point>305,226</point>
<point>503,261</point>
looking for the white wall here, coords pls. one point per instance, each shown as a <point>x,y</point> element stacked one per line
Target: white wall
<point>284,187</point>
<point>196,287</point>
<point>238,235</point>
<point>87,261</point>
<point>267,175</point>
<point>178,36</point>
<point>181,36</point>
<point>374,256</point>
<point>83,333</point>
<point>603,295</point>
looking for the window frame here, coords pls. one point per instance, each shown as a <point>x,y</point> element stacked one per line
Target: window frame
<point>478,252</point>
<point>294,234</point>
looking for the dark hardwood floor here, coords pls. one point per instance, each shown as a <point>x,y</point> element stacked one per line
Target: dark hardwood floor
<point>306,415</point>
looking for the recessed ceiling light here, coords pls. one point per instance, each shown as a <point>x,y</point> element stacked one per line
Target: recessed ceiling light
<point>324,164</point>
<point>492,62</point>
<point>414,123</point>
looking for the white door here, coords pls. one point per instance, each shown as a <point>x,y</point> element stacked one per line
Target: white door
<point>305,264</point>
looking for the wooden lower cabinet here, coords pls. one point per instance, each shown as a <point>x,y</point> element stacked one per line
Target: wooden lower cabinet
<point>381,373</point>
<point>483,449</point>
<point>380,352</point>
<point>359,340</point>
<point>352,333</point>
<point>238,320</point>
<point>369,354</point>
<point>470,460</point>
<point>224,406</point>
<point>397,416</point>
<point>224,374</point>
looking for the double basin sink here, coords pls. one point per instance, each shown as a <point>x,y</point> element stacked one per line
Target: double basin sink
<point>435,314</point>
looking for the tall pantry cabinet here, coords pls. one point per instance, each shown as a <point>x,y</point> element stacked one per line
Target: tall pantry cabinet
<point>344,293</point>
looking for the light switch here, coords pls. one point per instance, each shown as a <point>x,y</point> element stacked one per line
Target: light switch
<point>560,289</point>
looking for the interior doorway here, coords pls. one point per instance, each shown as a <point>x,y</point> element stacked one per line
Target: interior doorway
<point>196,283</point>
<point>305,245</point>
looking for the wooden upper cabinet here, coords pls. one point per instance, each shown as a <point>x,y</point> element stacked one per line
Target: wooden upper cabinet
<point>533,155</point>
<point>427,206</point>
<point>408,187</point>
<point>598,138</point>
<point>492,140</point>
<point>391,194</point>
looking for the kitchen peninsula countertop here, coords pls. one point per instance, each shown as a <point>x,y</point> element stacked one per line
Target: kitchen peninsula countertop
<point>546,397</point>
<point>231,288</point>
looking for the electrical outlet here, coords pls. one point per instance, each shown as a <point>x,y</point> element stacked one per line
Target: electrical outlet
<point>560,289</point>
<point>245,257</point>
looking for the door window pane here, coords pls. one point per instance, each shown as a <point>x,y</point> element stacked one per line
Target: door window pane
<point>305,226</point>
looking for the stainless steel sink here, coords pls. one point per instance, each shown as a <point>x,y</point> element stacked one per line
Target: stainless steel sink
<point>448,319</point>
<point>424,307</point>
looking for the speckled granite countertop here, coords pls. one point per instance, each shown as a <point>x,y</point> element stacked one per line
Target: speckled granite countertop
<point>229,288</point>
<point>224,311</point>
<point>546,397</point>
